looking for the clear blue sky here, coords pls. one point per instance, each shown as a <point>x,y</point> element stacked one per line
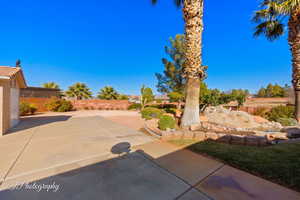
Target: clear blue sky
<point>121,43</point>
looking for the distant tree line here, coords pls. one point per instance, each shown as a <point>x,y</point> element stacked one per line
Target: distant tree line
<point>274,91</point>
<point>81,91</point>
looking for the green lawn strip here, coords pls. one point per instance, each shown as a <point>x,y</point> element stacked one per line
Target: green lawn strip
<point>278,163</point>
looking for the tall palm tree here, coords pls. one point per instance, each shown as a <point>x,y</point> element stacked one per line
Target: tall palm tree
<point>194,71</point>
<point>51,85</point>
<point>271,23</point>
<point>79,91</point>
<point>108,93</point>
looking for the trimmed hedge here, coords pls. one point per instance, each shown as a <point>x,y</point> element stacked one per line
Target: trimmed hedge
<point>150,113</point>
<point>135,106</point>
<point>287,121</point>
<point>59,105</point>
<point>166,122</point>
<point>27,109</point>
<point>279,112</point>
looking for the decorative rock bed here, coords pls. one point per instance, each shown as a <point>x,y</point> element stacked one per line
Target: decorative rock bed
<point>250,133</point>
<point>216,132</point>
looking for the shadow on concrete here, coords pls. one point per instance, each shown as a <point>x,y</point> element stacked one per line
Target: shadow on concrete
<point>131,175</point>
<point>121,148</point>
<point>35,121</point>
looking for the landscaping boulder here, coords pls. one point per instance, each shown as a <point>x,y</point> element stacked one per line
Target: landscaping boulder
<point>224,138</point>
<point>272,135</point>
<point>239,119</point>
<point>237,139</point>
<point>188,135</point>
<point>211,135</point>
<point>292,132</point>
<point>199,135</point>
<point>251,140</point>
<point>196,127</point>
<point>277,136</point>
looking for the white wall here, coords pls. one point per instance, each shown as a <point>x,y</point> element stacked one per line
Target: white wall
<point>14,106</point>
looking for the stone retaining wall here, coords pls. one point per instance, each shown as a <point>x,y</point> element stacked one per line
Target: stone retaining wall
<point>200,135</point>
<point>218,137</point>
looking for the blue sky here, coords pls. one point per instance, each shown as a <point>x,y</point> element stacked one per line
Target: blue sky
<point>121,43</point>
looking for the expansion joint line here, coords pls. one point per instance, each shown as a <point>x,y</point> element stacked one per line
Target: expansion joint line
<point>19,155</point>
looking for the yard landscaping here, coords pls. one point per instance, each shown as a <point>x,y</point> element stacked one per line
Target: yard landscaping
<point>278,163</point>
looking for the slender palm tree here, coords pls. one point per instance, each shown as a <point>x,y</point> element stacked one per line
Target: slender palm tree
<point>108,93</point>
<point>79,91</point>
<point>271,19</point>
<point>51,85</point>
<point>194,71</point>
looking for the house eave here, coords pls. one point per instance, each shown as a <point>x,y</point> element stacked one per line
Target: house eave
<point>5,77</point>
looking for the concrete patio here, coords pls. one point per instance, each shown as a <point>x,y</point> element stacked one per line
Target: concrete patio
<point>89,156</point>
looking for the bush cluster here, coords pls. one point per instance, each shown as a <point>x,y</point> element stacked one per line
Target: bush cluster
<point>135,106</point>
<point>151,112</point>
<point>287,121</point>
<point>59,105</point>
<point>282,114</point>
<point>168,108</point>
<point>166,122</point>
<point>261,111</point>
<point>27,109</point>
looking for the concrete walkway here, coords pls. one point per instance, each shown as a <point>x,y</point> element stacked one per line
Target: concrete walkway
<point>89,157</point>
<point>212,178</point>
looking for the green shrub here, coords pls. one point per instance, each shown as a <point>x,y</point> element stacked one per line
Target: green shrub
<point>175,96</point>
<point>162,106</point>
<point>170,110</point>
<point>53,104</point>
<point>150,112</point>
<point>27,108</point>
<point>33,109</point>
<point>59,105</point>
<point>279,112</point>
<point>287,121</point>
<point>158,100</point>
<point>135,106</point>
<point>65,106</point>
<point>261,111</point>
<point>166,122</point>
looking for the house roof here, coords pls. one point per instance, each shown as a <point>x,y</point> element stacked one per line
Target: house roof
<point>7,72</point>
<point>261,101</point>
<point>41,89</point>
<point>164,97</point>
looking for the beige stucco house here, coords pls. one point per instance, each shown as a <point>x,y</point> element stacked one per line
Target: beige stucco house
<point>11,80</point>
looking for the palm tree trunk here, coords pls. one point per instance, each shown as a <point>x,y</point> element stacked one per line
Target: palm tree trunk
<point>297,105</point>
<point>294,42</point>
<point>191,113</point>
<point>193,17</point>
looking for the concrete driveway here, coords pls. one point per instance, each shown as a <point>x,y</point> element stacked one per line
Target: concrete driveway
<point>101,155</point>
<point>87,157</point>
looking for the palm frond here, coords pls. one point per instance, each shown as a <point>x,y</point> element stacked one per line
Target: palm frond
<point>270,17</point>
<point>288,6</point>
<point>272,29</point>
<point>178,3</point>
<point>260,15</point>
<point>153,1</point>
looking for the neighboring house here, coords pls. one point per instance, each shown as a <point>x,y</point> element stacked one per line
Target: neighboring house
<point>134,99</point>
<point>39,92</point>
<point>163,98</point>
<point>11,80</point>
<point>252,104</point>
